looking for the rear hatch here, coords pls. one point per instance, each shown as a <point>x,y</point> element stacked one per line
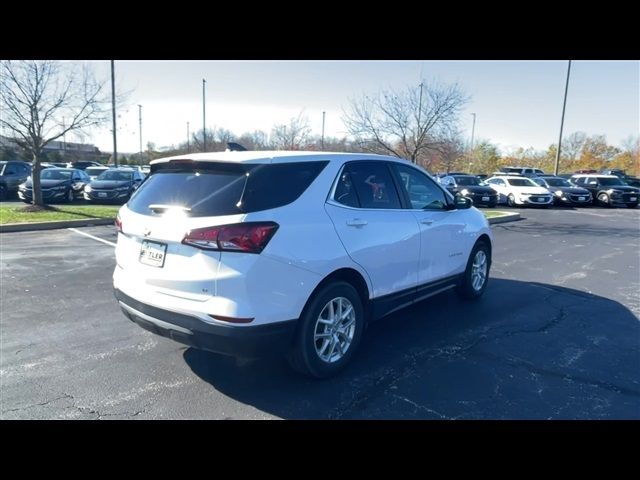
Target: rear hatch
<point>179,224</point>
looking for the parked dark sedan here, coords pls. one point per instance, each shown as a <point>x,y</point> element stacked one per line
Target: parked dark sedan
<point>12,174</point>
<point>57,185</point>
<point>564,193</point>
<point>114,185</point>
<point>609,190</point>
<point>471,187</point>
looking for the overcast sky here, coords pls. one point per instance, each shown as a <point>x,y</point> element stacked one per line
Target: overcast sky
<point>517,103</point>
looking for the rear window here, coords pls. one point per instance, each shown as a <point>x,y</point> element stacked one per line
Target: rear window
<point>210,189</point>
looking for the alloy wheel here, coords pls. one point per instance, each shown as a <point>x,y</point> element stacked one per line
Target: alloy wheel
<point>334,329</point>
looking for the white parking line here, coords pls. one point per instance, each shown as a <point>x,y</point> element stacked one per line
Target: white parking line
<point>94,238</point>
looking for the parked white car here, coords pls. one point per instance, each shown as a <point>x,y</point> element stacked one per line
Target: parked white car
<point>94,172</point>
<point>251,253</point>
<point>517,190</point>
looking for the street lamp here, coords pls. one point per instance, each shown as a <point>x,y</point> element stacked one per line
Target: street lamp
<point>113,114</point>
<point>564,105</point>
<point>473,131</point>
<point>140,122</point>
<point>204,119</point>
<point>322,141</point>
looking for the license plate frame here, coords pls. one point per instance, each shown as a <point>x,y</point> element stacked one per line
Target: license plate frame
<point>633,199</point>
<point>152,254</point>
<point>102,194</point>
<point>485,199</point>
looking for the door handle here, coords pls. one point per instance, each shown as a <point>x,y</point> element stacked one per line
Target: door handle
<point>426,221</point>
<point>356,222</point>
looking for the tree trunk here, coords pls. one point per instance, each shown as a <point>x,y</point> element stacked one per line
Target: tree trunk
<point>35,179</point>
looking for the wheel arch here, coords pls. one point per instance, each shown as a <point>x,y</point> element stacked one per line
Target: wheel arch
<point>350,276</point>
<point>487,240</point>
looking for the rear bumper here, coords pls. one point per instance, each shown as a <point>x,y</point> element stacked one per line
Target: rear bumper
<point>246,341</point>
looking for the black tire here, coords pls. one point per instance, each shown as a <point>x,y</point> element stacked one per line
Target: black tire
<point>604,200</point>
<point>303,356</point>
<point>511,200</point>
<point>465,289</point>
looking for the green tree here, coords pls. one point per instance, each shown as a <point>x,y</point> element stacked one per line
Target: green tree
<point>484,158</point>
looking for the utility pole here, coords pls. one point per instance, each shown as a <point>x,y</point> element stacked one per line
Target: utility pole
<point>204,120</point>
<point>564,105</point>
<point>473,131</point>
<point>322,141</point>
<point>188,144</point>
<point>415,160</point>
<point>140,122</point>
<point>113,114</point>
<point>64,138</point>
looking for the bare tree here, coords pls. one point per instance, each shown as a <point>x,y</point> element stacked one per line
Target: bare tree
<point>294,136</point>
<point>407,123</point>
<point>572,147</point>
<point>256,140</point>
<point>223,136</point>
<point>36,95</point>
<point>197,144</point>
<point>450,153</point>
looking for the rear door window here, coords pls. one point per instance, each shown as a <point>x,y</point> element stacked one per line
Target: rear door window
<point>217,188</point>
<point>373,185</point>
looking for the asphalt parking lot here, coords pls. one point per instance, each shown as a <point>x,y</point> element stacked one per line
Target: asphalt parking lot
<point>556,336</point>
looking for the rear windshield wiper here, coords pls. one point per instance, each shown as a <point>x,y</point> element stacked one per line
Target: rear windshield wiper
<point>156,207</point>
<point>244,187</point>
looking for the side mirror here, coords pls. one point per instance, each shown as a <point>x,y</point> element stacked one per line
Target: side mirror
<point>462,203</point>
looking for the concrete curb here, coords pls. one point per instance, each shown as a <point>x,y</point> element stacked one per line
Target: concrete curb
<point>31,227</point>
<point>511,217</point>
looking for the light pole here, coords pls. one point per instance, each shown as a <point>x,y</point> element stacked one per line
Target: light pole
<point>113,114</point>
<point>564,105</point>
<point>140,122</point>
<point>188,144</point>
<point>64,139</point>
<point>204,120</point>
<point>322,141</point>
<point>473,131</point>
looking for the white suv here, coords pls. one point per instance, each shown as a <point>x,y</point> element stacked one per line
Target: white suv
<point>250,253</point>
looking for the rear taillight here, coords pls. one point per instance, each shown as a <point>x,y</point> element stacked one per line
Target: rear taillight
<point>118,223</point>
<point>249,237</point>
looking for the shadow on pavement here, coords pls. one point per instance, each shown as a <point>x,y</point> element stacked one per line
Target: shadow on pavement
<point>524,351</point>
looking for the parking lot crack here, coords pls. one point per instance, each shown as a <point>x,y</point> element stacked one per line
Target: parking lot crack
<point>62,397</point>
<point>519,362</point>
<point>23,348</point>
<point>421,407</point>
